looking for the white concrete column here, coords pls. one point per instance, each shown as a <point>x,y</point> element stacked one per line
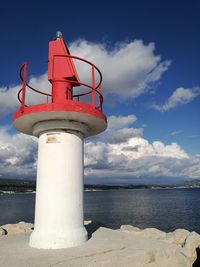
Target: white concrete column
<point>59,221</point>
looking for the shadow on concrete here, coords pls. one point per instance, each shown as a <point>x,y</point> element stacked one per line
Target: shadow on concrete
<point>92,227</point>
<point>197,262</point>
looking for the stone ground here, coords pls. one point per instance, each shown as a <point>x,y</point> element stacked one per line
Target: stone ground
<point>106,248</point>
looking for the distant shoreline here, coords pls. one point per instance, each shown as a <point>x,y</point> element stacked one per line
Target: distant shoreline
<point>11,186</point>
<point>3,192</point>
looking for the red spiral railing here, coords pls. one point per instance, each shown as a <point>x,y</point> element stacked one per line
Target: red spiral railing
<point>94,89</point>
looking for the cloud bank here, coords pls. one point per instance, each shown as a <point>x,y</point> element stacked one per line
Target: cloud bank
<point>121,151</point>
<point>132,156</point>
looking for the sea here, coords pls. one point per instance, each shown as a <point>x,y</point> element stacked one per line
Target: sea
<point>165,209</point>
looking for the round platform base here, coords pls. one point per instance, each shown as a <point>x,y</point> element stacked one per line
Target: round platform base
<point>58,240</point>
<point>93,120</point>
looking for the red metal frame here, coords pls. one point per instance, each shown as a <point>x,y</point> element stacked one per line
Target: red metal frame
<point>94,88</point>
<point>23,67</point>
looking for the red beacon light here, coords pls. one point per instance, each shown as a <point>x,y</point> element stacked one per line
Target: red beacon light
<point>63,103</point>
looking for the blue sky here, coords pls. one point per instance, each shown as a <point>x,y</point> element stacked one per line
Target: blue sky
<point>149,54</point>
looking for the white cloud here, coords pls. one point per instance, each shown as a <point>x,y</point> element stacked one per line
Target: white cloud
<point>179,97</point>
<point>194,136</point>
<point>118,122</point>
<point>18,154</point>
<point>176,132</point>
<point>8,99</point>
<point>129,70</point>
<point>118,154</point>
<point>138,147</point>
<point>120,129</point>
<point>125,134</point>
<point>140,159</point>
<point>8,96</point>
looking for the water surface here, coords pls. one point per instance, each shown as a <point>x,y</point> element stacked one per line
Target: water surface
<point>165,209</point>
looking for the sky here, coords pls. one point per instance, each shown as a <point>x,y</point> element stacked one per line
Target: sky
<point>148,52</point>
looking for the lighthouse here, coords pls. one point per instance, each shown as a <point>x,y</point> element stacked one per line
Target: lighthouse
<point>69,113</point>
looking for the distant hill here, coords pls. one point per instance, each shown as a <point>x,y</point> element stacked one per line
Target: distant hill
<point>21,186</point>
<point>16,185</point>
